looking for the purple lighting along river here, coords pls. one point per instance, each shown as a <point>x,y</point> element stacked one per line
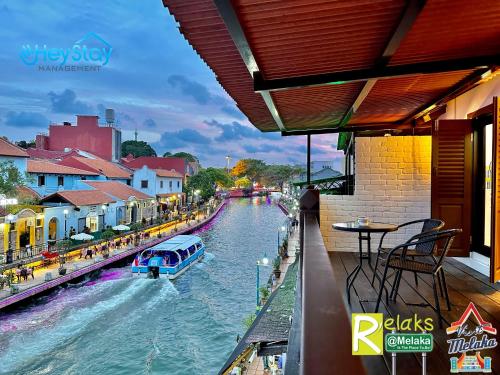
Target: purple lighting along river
<point>118,324</point>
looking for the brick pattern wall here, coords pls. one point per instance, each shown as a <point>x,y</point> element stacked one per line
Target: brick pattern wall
<point>393,181</point>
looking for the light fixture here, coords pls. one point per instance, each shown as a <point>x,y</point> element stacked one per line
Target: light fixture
<point>387,134</point>
<point>103,206</point>
<point>10,217</point>
<point>265,261</point>
<point>65,211</point>
<point>283,228</point>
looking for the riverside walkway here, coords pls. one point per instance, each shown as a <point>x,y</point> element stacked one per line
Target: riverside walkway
<point>47,277</point>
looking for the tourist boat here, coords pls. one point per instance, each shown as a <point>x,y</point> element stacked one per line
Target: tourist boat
<point>169,259</point>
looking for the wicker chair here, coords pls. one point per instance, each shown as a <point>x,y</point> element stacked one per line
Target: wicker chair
<point>427,225</point>
<point>437,244</point>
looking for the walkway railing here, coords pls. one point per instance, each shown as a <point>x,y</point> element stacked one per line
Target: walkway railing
<point>11,258</point>
<point>320,337</point>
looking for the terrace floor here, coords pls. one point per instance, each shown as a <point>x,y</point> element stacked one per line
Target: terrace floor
<point>464,284</point>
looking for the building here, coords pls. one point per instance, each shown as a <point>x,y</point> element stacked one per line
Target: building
<point>110,170</point>
<point>12,153</point>
<point>165,185</point>
<point>101,140</point>
<point>96,205</point>
<point>47,177</point>
<point>180,165</point>
<point>135,206</point>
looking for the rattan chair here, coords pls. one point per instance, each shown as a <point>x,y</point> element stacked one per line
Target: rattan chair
<point>427,226</point>
<point>399,259</point>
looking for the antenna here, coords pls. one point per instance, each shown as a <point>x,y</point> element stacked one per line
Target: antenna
<point>135,134</point>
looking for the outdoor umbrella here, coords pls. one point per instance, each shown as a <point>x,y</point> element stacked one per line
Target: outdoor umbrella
<point>121,227</point>
<point>82,237</point>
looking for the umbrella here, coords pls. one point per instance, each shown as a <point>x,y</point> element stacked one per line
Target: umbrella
<point>82,237</point>
<point>121,227</point>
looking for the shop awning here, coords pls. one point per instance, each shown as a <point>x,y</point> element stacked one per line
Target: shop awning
<point>329,66</point>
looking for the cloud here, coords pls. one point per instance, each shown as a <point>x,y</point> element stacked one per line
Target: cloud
<point>66,103</point>
<point>182,138</point>
<point>236,131</point>
<point>262,148</point>
<point>149,123</point>
<point>190,88</point>
<point>26,119</point>
<point>234,112</point>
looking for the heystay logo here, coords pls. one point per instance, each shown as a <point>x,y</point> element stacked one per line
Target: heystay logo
<point>90,51</point>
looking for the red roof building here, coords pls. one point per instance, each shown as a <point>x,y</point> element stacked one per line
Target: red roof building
<point>117,190</point>
<point>9,149</point>
<point>152,162</point>
<point>97,165</point>
<point>38,153</point>
<point>87,134</point>
<point>47,167</point>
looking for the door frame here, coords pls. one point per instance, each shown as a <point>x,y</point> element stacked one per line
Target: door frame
<point>477,229</point>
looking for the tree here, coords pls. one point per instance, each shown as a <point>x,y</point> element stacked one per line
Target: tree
<point>137,148</point>
<point>10,179</point>
<point>26,145</point>
<point>220,177</point>
<point>243,182</point>
<point>202,181</point>
<point>252,168</point>
<point>277,175</point>
<point>184,155</point>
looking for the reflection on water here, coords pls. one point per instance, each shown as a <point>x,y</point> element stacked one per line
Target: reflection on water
<point>119,324</point>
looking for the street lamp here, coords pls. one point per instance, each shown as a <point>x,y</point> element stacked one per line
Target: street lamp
<point>281,229</point>
<point>65,212</point>
<point>264,262</point>
<point>103,215</point>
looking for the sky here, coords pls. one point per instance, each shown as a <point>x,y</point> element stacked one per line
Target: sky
<point>152,78</point>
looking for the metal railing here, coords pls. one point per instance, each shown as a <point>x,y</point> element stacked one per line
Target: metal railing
<point>341,185</point>
<point>12,257</point>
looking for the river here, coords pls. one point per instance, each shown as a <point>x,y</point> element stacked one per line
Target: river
<point>118,324</point>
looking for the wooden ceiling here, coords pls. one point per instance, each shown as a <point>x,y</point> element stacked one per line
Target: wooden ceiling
<point>341,65</point>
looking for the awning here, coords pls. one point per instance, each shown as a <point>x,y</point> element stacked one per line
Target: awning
<point>342,65</point>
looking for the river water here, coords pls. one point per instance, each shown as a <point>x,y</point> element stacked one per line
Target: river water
<point>118,324</point>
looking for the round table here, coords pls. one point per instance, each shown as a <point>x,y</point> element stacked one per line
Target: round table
<point>353,226</point>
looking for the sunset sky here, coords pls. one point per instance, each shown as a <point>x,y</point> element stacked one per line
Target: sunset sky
<point>154,80</point>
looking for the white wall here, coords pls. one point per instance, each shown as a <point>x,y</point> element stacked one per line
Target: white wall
<point>472,100</point>
<point>393,180</point>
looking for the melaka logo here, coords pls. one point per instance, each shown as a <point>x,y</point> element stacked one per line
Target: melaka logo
<point>466,340</point>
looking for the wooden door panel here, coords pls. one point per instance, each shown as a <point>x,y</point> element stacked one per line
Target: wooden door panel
<point>451,182</point>
<point>495,194</point>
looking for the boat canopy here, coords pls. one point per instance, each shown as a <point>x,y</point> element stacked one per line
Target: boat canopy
<point>180,242</point>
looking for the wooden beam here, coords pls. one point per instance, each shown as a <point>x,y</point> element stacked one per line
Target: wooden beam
<point>410,14</point>
<point>237,34</point>
<point>350,128</point>
<point>405,70</point>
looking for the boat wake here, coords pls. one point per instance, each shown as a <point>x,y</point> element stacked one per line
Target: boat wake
<point>71,317</point>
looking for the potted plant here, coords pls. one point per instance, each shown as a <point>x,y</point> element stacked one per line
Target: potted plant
<point>264,294</point>
<point>276,267</point>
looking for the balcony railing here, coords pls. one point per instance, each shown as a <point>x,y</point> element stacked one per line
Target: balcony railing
<point>320,337</point>
<point>341,185</point>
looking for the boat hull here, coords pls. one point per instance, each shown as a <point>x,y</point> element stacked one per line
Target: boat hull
<point>169,272</point>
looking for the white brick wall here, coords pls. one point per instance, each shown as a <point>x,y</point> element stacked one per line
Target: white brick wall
<point>393,185</point>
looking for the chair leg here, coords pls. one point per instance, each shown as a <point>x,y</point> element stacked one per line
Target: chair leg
<point>440,283</point>
<point>381,289</point>
<point>415,274</point>
<point>397,286</point>
<point>445,287</point>
<point>436,300</point>
<point>397,275</point>
<point>375,268</point>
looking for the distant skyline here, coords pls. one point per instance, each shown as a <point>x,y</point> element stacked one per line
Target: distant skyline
<point>154,80</point>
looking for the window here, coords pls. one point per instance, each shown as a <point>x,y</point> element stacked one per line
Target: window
<point>93,223</point>
<point>161,184</point>
<point>41,180</point>
<point>144,184</point>
<point>170,185</point>
<point>83,178</point>
<point>178,184</point>
<point>60,180</point>
<point>128,182</point>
